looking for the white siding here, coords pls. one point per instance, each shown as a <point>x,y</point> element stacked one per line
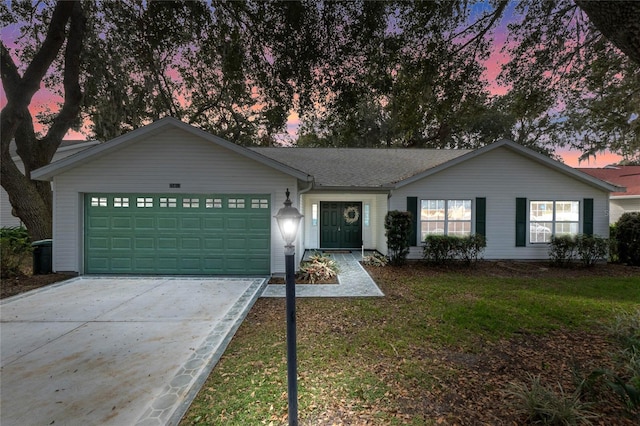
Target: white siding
<point>6,218</point>
<point>150,165</point>
<point>621,205</point>
<point>502,176</point>
<point>372,236</point>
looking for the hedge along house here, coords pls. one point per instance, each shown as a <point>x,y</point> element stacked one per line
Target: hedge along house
<point>171,199</point>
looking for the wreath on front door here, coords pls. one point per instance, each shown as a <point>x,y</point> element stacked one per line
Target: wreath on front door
<point>351,214</point>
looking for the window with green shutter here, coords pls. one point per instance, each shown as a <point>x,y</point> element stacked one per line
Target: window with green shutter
<point>412,207</point>
<point>521,222</point>
<point>587,217</point>
<point>481,216</point>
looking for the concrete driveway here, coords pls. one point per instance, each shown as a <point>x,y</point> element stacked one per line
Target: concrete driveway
<point>115,351</point>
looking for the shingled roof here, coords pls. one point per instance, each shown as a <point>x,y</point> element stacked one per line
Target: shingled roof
<point>360,167</point>
<point>626,176</point>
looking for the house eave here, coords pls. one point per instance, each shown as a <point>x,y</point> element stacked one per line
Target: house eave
<point>49,171</point>
<point>535,156</point>
<point>384,189</point>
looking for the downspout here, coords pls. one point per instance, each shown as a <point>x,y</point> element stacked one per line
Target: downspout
<point>311,181</point>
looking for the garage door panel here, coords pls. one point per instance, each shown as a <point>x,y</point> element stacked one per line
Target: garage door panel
<point>121,222</point>
<point>190,223</point>
<point>168,244</point>
<point>167,264</point>
<point>98,243</point>
<point>99,264</point>
<point>99,222</point>
<point>259,223</point>
<point>177,234</point>
<point>190,244</point>
<point>259,243</point>
<point>121,243</point>
<point>167,224</point>
<point>121,264</point>
<point>216,243</point>
<point>213,223</point>
<point>213,264</point>
<point>236,224</point>
<point>144,243</point>
<point>144,223</point>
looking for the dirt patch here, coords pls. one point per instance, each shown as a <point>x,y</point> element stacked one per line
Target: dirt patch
<point>12,286</point>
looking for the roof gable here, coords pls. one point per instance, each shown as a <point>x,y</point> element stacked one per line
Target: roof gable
<point>526,152</point>
<point>162,125</point>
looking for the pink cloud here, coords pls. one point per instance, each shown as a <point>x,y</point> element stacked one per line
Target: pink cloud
<point>570,158</point>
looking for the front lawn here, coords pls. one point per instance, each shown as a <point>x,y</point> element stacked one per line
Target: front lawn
<point>443,347</point>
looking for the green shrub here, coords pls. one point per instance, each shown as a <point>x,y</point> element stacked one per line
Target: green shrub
<point>628,238</point>
<point>562,250</point>
<point>442,249</point>
<point>397,226</point>
<point>542,405</point>
<point>319,267</point>
<point>625,328</point>
<point>15,249</point>
<point>470,248</point>
<point>613,244</point>
<point>591,249</point>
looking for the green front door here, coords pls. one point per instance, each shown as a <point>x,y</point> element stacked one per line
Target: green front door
<point>177,234</point>
<point>340,225</point>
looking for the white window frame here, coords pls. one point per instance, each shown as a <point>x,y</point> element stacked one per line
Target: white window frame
<point>554,222</point>
<point>446,220</point>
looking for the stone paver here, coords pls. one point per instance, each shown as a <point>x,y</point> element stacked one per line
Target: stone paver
<point>353,281</point>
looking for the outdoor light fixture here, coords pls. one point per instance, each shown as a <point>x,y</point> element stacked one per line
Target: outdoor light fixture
<point>289,219</point>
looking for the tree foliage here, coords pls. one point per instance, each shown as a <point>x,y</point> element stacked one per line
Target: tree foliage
<point>358,73</point>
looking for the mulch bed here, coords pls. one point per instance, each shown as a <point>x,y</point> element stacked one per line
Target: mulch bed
<point>16,285</point>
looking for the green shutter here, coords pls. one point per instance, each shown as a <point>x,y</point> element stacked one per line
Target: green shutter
<point>412,207</point>
<point>587,217</point>
<point>521,222</point>
<point>481,216</point>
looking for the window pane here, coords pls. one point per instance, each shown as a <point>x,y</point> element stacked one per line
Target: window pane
<point>432,210</point>
<point>540,232</point>
<point>566,228</point>
<point>540,211</point>
<point>459,210</point>
<point>459,229</point>
<point>567,211</point>
<point>428,228</point>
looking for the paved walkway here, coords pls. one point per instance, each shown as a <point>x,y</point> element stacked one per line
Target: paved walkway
<point>353,281</point>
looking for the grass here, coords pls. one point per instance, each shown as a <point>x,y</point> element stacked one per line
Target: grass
<point>367,359</point>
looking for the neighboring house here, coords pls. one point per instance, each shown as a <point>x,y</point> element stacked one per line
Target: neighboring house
<point>169,198</point>
<point>67,148</point>
<point>623,201</point>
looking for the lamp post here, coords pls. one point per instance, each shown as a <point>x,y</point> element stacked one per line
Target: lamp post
<point>289,219</point>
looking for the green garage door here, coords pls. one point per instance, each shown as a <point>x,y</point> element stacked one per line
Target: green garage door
<point>177,234</point>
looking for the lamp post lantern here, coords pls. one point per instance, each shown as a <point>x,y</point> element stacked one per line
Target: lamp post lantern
<point>289,219</point>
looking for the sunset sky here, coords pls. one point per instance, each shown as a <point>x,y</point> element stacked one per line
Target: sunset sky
<point>44,99</point>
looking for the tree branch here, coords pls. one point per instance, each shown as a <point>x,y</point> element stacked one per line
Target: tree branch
<point>42,60</point>
<point>72,91</point>
<point>495,15</point>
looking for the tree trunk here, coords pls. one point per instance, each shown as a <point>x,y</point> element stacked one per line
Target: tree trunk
<point>32,200</point>
<point>618,21</point>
